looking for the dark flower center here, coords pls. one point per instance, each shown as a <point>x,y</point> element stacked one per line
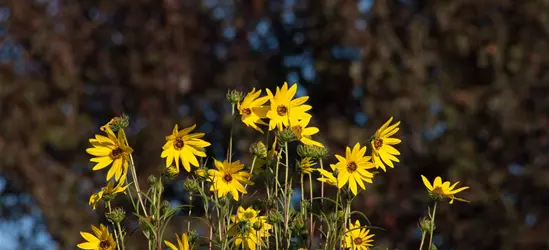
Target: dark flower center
<point>115,154</point>
<point>246,111</point>
<point>227,177</point>
<point>378,143</point>
<point>358,241</point>
<point>351,166</point>
<point>178,143</point>
<point>104,244</point>
<point>281,110</point>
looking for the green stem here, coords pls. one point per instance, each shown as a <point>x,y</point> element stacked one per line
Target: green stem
<point>251,170</point>
<point>286,200</point>
<point>159,199</point>
<point>302,189</point>
<point>321,226</point>
<point>432,225</point>
<point>311,228</point>
<point>190,211</point>
<point>422,240</point>
<point>117,236</point>
<point>134,176</point>
<point>230,150</point>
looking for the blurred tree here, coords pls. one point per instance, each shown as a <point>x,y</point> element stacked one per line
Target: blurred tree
<point>467,78</point>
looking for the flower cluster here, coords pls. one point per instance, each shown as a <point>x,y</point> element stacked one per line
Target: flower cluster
<point>222,185</point>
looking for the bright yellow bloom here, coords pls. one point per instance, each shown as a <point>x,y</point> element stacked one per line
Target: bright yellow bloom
<point>248,228</point>
<point>357,238</point>
<point>102,240</point>
<point>353,168</point>
<point>302,132</point>
<point>109,150</point>
<point>185,146</point>
<point>305,165</point>
<point>283,106</point>
<point>444,189</point>
<point>252,109</point>
<point>383,152</point>
<point>327,177</point>
<point>109,190</point>
<point>228,178</point>
<point>182,243</point>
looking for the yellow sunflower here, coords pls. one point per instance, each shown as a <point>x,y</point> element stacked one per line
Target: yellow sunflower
<point>228,178</point>
<point>249,229</point>
<point>302,132</point>
<point>383,152</point>
<point>102,240</point>
<point>358,238</point>
<point>445,189</point>
<point>283,106</point>
<point>110,149</point>
<point>108,191</point>
<point>185,146</point>
<point>182,243</point>
<point>252,110</point>
<point>353,168</point>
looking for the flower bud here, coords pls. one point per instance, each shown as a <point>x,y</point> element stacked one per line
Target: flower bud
<point>151,180</point>
<point>274,217</point>
<point>116,123</point>
<point>191,185</point>
<point>259,149</point>
<point>165,207</point>
<point>436,197</point>
<point>286,136</point>
<point>170,172</point>
<point>433,247</point>
<point>425,224</point>
<point>305,151</point>
<point>116,215</point>
<point>258,225</point>
<point>234,96</point>
<point>320,153</point>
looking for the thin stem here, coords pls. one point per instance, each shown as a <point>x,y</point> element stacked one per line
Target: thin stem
<point>276,172</point>
<point>302,189</point>
<point>251,171</point>
<point>230,149</point>
<point>432,225</point>
<point>134,176</point>
<point>286,200</point>
<point>159,199</point>
<point>311,228</point>
<point>346,217</point>
<point>190,211</point>
<point>321,203</point>
<point>422,240</point>
<point>116,235</point>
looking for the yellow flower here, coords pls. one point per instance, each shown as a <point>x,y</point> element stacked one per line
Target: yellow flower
<point>252,109</point>
<point>108,191</point>
<point>444,189</point>
<point>182,243</point>
<point>327,177</point>
<point>109,150</point>
<point>185,146</point>
<point>228,178</point>
<point>248,228</point>
<point>383,152</point>
<point>358,238</point>
<point>201,172</point>
<point>305,165</point>
<point>102,240</point>
<point>353,168</point>
<point>283,107</point>
<point>302,132</point>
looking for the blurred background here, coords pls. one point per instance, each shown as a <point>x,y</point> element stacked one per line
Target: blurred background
<point>467,78</point>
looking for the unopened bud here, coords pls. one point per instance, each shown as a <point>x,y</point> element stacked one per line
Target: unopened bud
<point>234,96</point>
<point>286,136</point>
<point>274,217</point>
<point>151,180</point>
<point>170,172</point>
<point>425,224</point>
<point>258,225</point>
<point>259,149</point>
<point>191,185</point>
<point>116,215</point>
<point>165,207</point>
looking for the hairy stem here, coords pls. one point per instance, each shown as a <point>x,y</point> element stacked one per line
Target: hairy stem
<point>432,225</point>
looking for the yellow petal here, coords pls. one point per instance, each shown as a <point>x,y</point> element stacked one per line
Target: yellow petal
<point>426,183</point>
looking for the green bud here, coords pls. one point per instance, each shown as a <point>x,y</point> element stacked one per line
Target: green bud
<point>234,96</point>
<point>116,215</point>
<point>258,225</point>
<point>193,236</point>
<point>433,247</point>
<point>191,185</point>
<point>259,149</point>
<point>298,224</point>
<point>170,172</point>
<point>274,217</point>
<point>108,197</point>
<point>147,224</point>
<point>425,224</point>
<point>151,180</point>
<point>285,136</point>
<point>320,153</point>
<point>165,207</point>
<point>306,151</point>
